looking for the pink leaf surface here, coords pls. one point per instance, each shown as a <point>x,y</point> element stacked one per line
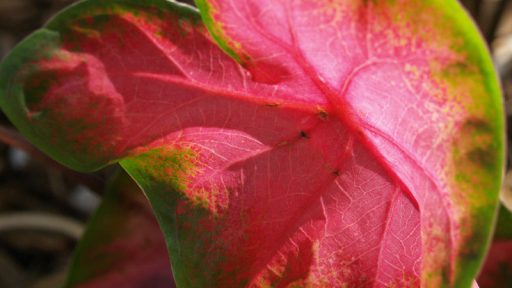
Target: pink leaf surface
<point>348,144</point>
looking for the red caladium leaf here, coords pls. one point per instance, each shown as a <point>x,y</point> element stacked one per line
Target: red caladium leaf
<point>123,245</point>
<point>343,143</point>
<point>497,269</point>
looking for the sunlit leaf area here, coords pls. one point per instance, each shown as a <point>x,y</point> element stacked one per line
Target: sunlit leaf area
<point>255,143</point>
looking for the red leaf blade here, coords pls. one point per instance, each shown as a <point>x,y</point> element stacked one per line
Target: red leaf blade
<point>356,164</point>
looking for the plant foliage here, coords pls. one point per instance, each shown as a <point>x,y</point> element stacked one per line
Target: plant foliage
<point>315,143</point>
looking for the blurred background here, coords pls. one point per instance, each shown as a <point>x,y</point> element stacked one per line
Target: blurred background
<point>44,207</point>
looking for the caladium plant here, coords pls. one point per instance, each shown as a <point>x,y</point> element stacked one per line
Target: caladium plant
<point>312,143</point>
<point>497,269</point>
<point>123,245</point>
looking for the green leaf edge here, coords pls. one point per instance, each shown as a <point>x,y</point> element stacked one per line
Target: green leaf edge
<point>14,108</point>
<point>12,98</point>
<point>478,51</point>
<point>13,102</point>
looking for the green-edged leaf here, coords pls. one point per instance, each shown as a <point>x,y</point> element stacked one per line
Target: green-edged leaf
<point>123,245</point>
<point>497,270</point>
<point>343,144</point>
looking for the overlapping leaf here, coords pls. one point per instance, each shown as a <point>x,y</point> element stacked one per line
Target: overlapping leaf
<point>123,245</point>
<point>354,143</point>
<point>497,270</point>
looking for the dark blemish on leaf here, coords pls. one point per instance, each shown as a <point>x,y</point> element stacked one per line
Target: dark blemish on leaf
<point>485,156</point>
<point>476,125</point>
<point>336,173</point>
<point>322,114</point>
<point>480,146</point>
<point>272,105</point>
<point>460,66</point>
<point>304,135</point>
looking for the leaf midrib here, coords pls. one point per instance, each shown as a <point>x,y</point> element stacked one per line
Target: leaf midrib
<point>349,118</point>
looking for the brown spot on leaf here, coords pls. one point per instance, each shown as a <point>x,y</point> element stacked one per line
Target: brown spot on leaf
<point>474,124</point>
<point>322,114</point>
<point>477,142</point>
<point>272,104</point>
<point>304,135</point>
